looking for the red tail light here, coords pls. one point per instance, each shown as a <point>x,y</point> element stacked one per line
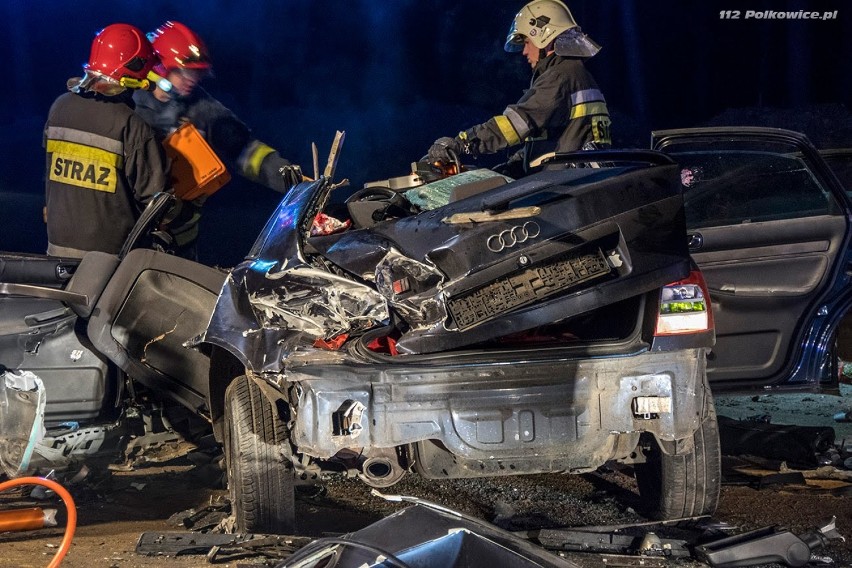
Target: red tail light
<point>684,307</point>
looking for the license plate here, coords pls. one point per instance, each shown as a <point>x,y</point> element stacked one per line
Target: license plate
<point>523,288</point>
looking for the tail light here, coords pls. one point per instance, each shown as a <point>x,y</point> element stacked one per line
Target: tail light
<point>684,307</point>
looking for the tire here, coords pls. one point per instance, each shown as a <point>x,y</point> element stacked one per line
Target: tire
<point>684,485</point>
<point>260,477</point>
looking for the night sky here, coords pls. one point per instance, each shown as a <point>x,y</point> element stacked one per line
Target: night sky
<point>396,74</point>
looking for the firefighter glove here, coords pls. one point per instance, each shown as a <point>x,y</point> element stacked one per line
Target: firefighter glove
<point>441,149</point>
<point>292,174</point>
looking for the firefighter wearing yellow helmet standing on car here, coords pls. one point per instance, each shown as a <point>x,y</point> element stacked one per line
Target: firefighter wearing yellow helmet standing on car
<point>184,63</point>
<point>562,111</point>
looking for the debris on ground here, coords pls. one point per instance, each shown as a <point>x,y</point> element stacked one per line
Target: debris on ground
<point>761,454</point>
<point>206,519</point>
<point>766,545</point>
<point>218,547</point>
<point>798,445</point>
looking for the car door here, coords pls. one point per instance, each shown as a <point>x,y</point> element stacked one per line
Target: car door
<point>41,335</point>
<point>153,305</point>
<point>768,225</point>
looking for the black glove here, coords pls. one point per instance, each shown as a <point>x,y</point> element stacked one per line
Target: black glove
<point>292,174</point>
<point>440,150</point>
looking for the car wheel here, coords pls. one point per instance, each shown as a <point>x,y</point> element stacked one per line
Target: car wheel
<point>260,477</point>
<point>687,484</point>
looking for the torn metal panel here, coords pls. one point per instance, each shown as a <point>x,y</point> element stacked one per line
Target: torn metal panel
<point>412,288</point>
<point>314,304</point>
<point>295,308</point>
<point>269,315</point>
<point>347,420</point>
<point>561,414</point>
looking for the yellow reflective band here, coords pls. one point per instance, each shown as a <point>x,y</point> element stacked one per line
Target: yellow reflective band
<point>83,166</point>
<point>601,127</point>
<point>252,165</point>
<point>585,109</point>
<point>507,130</point>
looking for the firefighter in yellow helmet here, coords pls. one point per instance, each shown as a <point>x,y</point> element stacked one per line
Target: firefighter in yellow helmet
<point>563,110</point>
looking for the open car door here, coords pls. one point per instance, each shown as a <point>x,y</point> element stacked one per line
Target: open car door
<point>153,305</point>
<point>768,225</point>
<point>137,309</point>
<point>37,334</point>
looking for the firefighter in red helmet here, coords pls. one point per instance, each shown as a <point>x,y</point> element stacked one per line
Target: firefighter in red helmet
<point>103,161</point>
<point>185,62</point>
<point>562,111</point>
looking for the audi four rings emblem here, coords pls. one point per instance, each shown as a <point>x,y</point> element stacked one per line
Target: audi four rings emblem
<point>511,237</point>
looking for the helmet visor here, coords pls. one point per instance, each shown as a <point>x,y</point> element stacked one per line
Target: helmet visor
<point>514,43</point>
<point>96,82</point>
<point>574,43</point>
<point>194,60</point>
<point>515,40</point>
<point>193,57</point>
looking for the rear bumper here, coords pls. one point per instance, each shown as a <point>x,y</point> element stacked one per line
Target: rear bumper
<point>571,414</point>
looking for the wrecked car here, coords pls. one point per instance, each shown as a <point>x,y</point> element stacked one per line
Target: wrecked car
<point>461,326</point>
<point>469,326</point>
<point>104,338</point>
<point>492,361</point>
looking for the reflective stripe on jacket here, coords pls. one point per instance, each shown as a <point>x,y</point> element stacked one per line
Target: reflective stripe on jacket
<point>563,110</point>
<point>103,165</point>
<point>229,137</point>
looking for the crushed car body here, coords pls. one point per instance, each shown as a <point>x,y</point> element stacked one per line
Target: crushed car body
<point>556,244</point>
<point>499,328</point>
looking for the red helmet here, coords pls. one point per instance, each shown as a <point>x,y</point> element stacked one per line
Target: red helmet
<point>121,50</point>
<point>179,47</point>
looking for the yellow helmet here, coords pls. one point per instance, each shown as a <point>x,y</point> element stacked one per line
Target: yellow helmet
<point>542,21</point>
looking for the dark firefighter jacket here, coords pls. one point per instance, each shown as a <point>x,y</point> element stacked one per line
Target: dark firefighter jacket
<point>103,164</point>
<point>562,111</point>
<point>229,137</point>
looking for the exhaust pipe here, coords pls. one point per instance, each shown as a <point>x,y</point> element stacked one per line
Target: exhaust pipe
<point>381,470</point>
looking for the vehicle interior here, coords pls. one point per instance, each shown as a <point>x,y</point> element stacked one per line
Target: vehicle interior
<point>768,231</point>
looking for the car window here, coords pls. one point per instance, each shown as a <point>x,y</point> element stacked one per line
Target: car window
<point>730,188</point>
<point>840,162</point>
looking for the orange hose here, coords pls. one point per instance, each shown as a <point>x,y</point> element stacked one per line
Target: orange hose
<point>71,509</point>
